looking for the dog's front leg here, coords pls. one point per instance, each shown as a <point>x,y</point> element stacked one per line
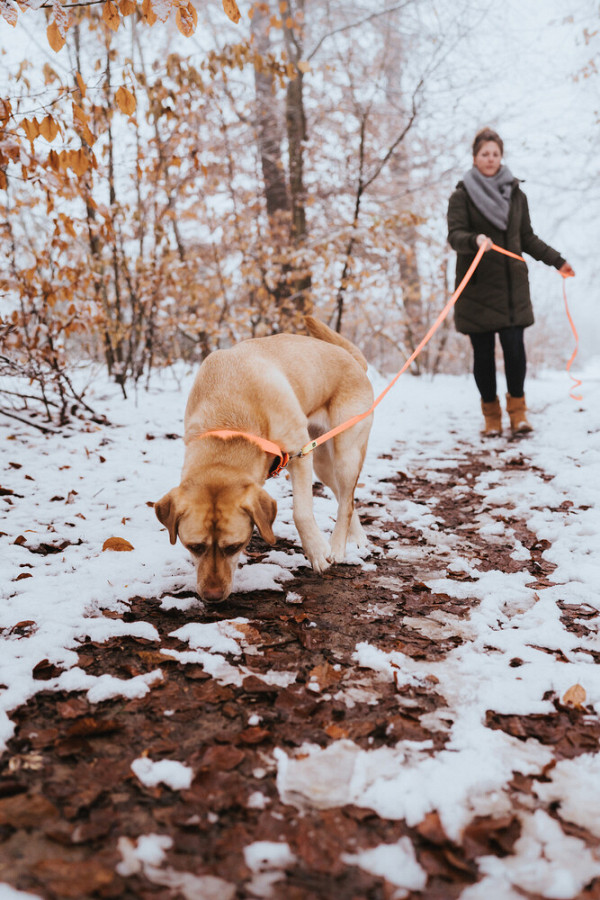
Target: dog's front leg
<point>314,544</point>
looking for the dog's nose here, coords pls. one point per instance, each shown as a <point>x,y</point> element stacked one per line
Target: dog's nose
<point>212,595</point>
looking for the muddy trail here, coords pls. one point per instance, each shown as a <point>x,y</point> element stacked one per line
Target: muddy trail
<point>71,807</point>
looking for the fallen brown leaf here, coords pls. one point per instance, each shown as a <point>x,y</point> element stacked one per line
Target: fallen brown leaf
<point>223,758</point>
<point>432,830</point>
<point>73,879</point>
<point>26,810</point>
<point>45,670</point>
<point>116,543</point>
<point>323,676</point>
<point>575,696</point>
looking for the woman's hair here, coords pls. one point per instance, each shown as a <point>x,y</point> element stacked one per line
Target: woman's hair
<point>485,135</point>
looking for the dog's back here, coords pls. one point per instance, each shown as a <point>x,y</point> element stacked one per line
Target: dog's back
<point>321,331</point>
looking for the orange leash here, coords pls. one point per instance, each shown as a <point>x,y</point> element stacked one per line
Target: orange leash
<point>308,448</point>
<point>284,457</point>
<point>576,381</point>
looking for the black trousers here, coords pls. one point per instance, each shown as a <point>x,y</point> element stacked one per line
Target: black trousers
<point>484,361</point>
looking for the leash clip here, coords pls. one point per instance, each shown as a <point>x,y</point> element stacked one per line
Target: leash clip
<point>283,461</point>
<point>308,448</point>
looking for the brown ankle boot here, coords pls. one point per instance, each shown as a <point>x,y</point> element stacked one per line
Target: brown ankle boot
<point>517,409</point>
<point>493,418</point>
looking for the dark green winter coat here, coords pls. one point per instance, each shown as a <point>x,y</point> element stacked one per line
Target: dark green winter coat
<point>497,295</point>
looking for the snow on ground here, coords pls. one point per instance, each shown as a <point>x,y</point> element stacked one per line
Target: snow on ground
<point>73,492</point>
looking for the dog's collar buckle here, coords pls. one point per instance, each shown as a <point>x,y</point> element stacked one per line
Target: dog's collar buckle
<point>277,467</point>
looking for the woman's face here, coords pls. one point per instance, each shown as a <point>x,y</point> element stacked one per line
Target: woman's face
<point>488,159</point>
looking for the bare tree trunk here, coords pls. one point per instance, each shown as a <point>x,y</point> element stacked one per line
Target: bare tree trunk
<point>285,204</point>
<point>360,188</point>
<point>119,367</point>
<point>400,166</point>
<point>268,127</point>
<point>100,291</point>
<point>296,134</point>
<point>411,290</point>
<point>444,331</point>
<point>269,137</point>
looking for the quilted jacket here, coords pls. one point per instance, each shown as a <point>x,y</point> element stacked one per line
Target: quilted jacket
<point>497,295</point>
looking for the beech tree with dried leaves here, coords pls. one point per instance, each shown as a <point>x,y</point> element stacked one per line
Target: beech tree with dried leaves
<point>160,205</point>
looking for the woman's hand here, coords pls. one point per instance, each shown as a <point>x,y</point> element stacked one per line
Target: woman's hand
<point>566,271</point>
<point>484,241</point>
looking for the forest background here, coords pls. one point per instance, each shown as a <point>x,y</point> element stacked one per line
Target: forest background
<point>175,177</point>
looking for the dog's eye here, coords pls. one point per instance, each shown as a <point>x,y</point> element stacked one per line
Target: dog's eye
<point>232,549</point>
<point>197,549</point>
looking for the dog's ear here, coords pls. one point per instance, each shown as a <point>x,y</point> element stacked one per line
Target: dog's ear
<point>262,509</point>
<point>168,511</point>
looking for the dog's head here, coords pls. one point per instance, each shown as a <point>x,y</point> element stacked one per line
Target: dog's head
<point>214,522</point>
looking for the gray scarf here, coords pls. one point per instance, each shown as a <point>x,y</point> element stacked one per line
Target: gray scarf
<point>491,194</point>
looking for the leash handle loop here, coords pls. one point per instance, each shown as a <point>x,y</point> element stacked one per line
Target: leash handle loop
<point>576,381</point>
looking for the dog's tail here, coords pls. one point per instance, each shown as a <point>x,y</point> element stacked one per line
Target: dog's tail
<point>321,331</point>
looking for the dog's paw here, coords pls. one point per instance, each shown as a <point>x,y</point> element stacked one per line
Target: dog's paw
<point>361,540</point>
<point>336,558</point>
<point>320,565</point>
<point>319,555</point>
<point>356,534</point>
<point>338,552</point>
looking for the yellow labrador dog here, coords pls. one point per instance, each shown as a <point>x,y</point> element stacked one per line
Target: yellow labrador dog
<point>287,388</point>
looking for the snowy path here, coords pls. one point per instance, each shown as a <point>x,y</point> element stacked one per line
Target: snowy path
<point>422,723</point>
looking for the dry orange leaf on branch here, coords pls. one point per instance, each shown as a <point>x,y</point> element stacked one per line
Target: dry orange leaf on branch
<point>126,101</point>
<point>77,160</point>
<point>8,12</point>
<point>110,15</point>
<point>57,29</point>
<point>49,128</point>
<point>55,38</point>
<point>5,111</point>
<point>31,127</point>
<point>231,9</point>
<point>80,84</point>
<point>148,13</point>
<point>187,19</point>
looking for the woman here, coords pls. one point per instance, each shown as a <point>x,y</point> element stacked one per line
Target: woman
<point>488,206</point>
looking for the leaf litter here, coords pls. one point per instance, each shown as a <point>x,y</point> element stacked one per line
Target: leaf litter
<point>319,746</point>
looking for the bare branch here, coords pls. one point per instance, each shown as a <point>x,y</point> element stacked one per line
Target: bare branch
<point>73,5</point>
<point>383,162</point>
<point>356,24</point>
<point>45,428</point>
